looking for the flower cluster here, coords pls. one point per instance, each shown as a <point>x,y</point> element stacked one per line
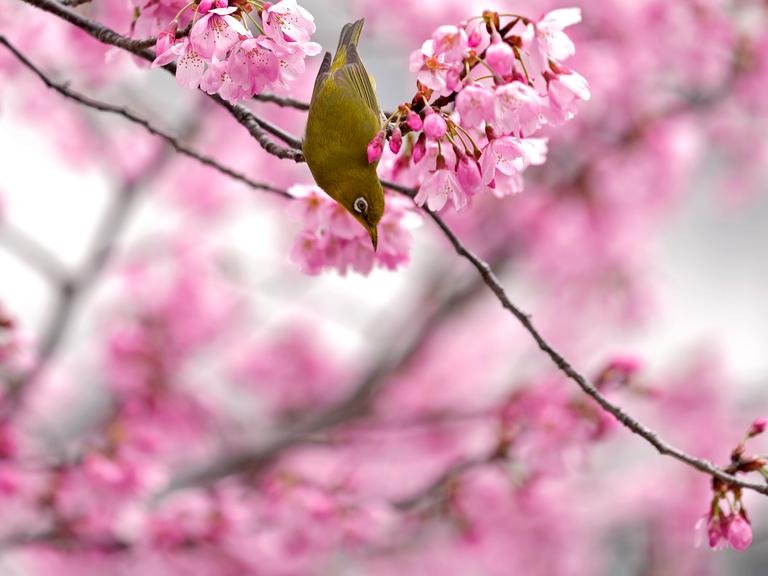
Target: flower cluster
<point>222,55</point>
<point>485,90</point>
<point>727,523</point>
<point>331,238</point>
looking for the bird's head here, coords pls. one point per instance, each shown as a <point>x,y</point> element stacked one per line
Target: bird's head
<point>366,204</point>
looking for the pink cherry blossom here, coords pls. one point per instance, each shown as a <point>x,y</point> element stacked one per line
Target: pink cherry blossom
<point>332,239</point>
<point>450,42</point>
<point>475,105</point>
<point>287,22</point>
<point>517,109</point>
<point>216,32</point>
<point>439,188</point>
<point>252,66</point>
<point>510,155</point>
<point>432,68</point>
<point>190,66</point>
<point>545,39</point>
<point>565,91</point>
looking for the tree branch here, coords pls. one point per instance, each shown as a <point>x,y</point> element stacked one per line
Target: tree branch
<point>70,293</point>
<point>64,90</point>
<point>588,388</point>
<point>257,127</point>
<point>31,252</point>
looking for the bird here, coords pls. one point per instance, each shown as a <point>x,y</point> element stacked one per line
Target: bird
<point>343,117</point>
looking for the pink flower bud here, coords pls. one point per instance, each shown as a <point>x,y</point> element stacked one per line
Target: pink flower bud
<point>166,38</point>
<point>739,533</point>
<point>758,427</point>
<point>468,174</point>
<point>204,6</point>
<point>500,56</point>
<point>435,126</point>
<point>376,147</point>
<point>413,121</point>
<point>396,141</point>
<point>420,149</point>
<point>453,80</point>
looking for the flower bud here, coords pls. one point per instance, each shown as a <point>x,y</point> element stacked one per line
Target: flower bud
<point>166,38</point>
<point>396,141</point>
<point>758,427</point>
<point>420,149</point>
<point>376,147</point>
<point>435,126</point>
<point>413,121</point>
<point>500,56</point>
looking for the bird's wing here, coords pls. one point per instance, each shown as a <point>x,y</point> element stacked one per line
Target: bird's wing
<point>353,76</point>
<point>322,75</point>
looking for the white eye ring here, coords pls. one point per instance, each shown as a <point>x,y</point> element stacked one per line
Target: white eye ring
<point>361,205</point>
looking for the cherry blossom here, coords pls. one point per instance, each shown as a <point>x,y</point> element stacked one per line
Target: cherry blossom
<point>225,56</point>
<point>332,239</point>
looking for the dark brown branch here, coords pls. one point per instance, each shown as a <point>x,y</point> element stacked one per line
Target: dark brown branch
<point>257,127</point>
<point>283,101</point>
<point>588,388</point>
<point>64,90</point>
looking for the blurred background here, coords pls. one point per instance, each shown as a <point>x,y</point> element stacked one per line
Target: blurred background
<point>642,237</point>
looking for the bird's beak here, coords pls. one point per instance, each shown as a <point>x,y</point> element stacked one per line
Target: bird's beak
<point>374,234</point>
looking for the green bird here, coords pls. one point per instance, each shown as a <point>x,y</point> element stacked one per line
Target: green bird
<point>344,116</point>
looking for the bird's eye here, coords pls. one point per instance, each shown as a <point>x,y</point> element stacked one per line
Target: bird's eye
<point>361,205</point>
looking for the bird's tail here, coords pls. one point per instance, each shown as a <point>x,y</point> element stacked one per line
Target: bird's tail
<point>350,34</point>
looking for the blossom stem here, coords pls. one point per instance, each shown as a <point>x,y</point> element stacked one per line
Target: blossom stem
<point>180,12</point>
<point>252,19</point>
<point>519,58</point>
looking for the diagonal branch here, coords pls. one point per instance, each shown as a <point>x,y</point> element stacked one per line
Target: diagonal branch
<point>64,90</point>
<point>490,279</point>
<point>257,127</point>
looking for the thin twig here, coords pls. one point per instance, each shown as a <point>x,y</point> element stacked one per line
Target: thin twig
<point>282,101</point>
<point>64,90</point>
<point>257,127</point>
<point>588,388</point>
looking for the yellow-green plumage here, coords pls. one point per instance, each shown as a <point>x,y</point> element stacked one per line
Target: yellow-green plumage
<point>343,118</point>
